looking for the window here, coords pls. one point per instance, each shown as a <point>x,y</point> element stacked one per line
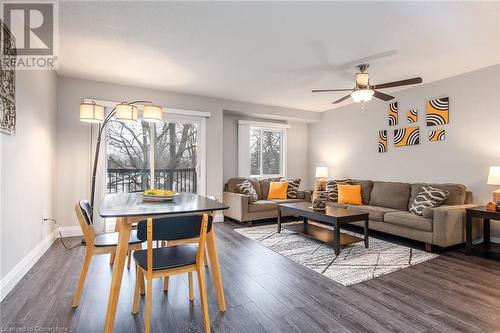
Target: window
<point>265,152</point>
<point>261,149</point>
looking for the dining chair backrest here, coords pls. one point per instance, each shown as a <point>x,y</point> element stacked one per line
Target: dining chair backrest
<point>84,213</point>
<point>174,227</point>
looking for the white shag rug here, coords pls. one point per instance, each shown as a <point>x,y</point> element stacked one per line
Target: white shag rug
<point>354,264</point>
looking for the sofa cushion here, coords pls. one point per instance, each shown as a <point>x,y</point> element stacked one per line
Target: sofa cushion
<point>409,220</point>
<point>366,189</point>
<point>375,213</point>
<point>429,197</point>
<point>349,194</point>
<point>232,182</point>
<point>333,190</point>
<point>264,186</point>
<point>262,206</point>
<point>390,194</point>
<point>245,187</point>
<point>456,197</point>
<point>293,187</point>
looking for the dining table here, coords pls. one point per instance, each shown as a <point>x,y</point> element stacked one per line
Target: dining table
<point>130,208</point>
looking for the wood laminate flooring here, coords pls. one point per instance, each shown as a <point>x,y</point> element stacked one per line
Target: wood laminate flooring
<point>265,292</point>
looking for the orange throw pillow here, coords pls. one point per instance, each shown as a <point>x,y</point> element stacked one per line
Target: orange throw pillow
<point>277,190</point>
<point>349,194</point>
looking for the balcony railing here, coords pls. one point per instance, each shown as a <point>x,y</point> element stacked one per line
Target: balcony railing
<point>129,180</point>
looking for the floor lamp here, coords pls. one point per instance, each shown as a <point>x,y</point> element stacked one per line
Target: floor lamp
<point>124,112</point>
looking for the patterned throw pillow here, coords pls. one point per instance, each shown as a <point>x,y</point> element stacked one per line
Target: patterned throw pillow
<point>293,187</point>
<point>333,190</point>
<point>429,197</point>
<point>247,188</point>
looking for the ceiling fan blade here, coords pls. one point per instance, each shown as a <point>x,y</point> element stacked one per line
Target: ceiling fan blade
<point>342,99</point>
<point>406,82</point>
<point>327,90</point>
<point>382,96</point>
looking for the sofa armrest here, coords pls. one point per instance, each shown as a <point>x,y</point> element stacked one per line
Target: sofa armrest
<point>306,195</point>
<point>449,224</point>
<point>238,205</point>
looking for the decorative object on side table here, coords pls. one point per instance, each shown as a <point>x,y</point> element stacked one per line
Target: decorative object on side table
<point>494,179</point>
<point>320,194</point>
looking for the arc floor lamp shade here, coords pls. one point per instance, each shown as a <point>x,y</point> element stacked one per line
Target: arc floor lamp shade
<point>126,112</point>
<point>91,113</point>
<point>152,113</point>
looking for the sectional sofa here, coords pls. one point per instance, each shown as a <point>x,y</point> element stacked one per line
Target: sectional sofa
<point>387,204</point>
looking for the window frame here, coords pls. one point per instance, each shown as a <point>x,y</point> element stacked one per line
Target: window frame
<point>281,132</point>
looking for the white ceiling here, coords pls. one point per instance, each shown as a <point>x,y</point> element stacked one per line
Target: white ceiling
<point>274,53</point>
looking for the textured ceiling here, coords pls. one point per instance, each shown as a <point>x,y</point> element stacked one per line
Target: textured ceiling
<point>274,53</point>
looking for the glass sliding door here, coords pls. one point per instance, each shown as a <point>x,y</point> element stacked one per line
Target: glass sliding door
<point>176,156</point>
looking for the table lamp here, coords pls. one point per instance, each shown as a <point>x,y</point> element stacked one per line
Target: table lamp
<point>321,175</point>
<point>494,179</point>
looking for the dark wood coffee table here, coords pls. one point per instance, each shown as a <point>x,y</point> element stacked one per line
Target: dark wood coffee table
<point>332,216</point>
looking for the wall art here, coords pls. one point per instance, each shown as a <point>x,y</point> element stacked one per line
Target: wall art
<point>437,135</point>
<point>438,111</point>
<point>8,55</point>
<point>393,114</point>
<point>412,116</point>
<point>406,136</point>
<point>382,141</point>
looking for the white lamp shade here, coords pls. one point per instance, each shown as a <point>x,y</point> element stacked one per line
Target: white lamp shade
<point>126,112</point>
<point>362,95</point>
<point>321,172</point>
<point>494,176</point>
<point>152,113</point>
<point>91,113</point>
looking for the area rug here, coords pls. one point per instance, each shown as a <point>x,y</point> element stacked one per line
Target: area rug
<point>354,264</point>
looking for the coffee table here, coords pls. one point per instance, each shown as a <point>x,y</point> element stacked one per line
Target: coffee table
<point>332,216</point>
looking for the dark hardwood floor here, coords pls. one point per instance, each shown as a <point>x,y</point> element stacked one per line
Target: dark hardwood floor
<point>265,292</point>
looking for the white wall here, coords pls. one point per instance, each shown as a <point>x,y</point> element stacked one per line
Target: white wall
<point>296,147</point>
<point>345,139</point>
<point>73,163</point>
<point>28,171</point>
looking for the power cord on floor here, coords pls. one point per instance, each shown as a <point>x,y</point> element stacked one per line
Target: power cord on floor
<point>60,235</point>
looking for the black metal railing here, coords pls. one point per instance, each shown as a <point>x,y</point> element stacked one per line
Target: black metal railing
<point>130,180</point>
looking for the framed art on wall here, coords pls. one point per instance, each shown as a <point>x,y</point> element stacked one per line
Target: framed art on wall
<point>8,55</point>
<point>393,114</point>
<point>382,141</point>
<point>438,111</point>
<point>406,136</point>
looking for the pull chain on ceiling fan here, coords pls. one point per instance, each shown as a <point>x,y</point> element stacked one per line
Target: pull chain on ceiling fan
<point>363,91</point>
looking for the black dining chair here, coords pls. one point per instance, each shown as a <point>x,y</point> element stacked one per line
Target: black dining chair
<point>163,262</point>
<point>97,244</point>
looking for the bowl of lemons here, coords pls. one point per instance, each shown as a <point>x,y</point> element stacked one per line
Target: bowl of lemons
<point>154,195</point>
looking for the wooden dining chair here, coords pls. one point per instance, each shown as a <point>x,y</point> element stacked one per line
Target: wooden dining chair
<point>97,244</point>
<point>162,262</point>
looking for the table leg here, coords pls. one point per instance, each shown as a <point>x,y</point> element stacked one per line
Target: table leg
<point>116,280</point>
<point>336,238</point>
<point>305,223</point>
<point>279,220</point>
<point>215,269</point>
<point>366,232</point>
<point>468,234</point>
<point>486,231</point>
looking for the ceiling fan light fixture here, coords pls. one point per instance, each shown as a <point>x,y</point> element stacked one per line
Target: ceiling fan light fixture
<point>362,79</point>
<point>362,95</point>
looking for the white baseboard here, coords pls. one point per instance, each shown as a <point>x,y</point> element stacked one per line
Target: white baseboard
<point>71,231</point>
<point>12,278</point>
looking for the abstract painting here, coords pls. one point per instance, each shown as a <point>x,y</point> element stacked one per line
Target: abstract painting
<point>412,116</point>
<point>8,55</point>
<point>406,137</point>
<point>382,141</point>
<point>438,111</point>
<point>437,135</point>
<point>393,114</point>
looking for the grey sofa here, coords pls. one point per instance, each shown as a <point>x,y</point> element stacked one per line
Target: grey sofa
<point>243,211</point>
<point>388,203</point>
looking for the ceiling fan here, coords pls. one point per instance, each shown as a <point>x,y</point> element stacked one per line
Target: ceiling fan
<point>363,91</point>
